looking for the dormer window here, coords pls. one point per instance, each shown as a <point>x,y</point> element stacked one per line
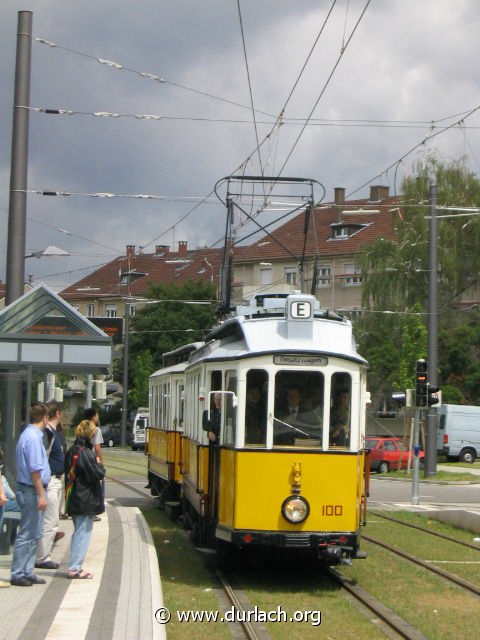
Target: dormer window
<point>340,232</point>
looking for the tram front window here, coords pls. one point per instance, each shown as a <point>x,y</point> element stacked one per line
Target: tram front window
<point>298,417</point>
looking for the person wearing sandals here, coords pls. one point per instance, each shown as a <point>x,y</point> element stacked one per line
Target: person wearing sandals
<point>83,495</point>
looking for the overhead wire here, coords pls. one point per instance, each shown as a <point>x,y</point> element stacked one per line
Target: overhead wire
<point>412,149</point>
<point>249,85</point>
<point>143,74</point>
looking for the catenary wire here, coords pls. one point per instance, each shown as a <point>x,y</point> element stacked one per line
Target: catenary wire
<point>151,76</point>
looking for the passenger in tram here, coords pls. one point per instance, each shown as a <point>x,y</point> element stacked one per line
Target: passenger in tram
<point>340,420</point>
<point>212,426</point>
<point>255,422</point>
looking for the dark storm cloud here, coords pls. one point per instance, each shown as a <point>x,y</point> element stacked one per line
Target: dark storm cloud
<point>408,60</point>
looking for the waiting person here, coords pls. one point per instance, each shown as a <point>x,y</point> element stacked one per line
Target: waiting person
<point>56,460</point>
<point>11,504</point>
<point>212,426</point>
<point>91,414</point>
<point>3,502</point>
<point>33,476</point>
<point>83,491</point>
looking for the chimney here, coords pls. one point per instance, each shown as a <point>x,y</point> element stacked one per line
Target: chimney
<point>160,248</point>
<point>182,249</point>
<point>379,192</point>
<point>130,250</point>
<point>339,195</point>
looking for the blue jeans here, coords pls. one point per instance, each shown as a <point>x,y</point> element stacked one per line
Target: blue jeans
<point>11,505</point>
<point>29,532</point>
<point>83,526</point>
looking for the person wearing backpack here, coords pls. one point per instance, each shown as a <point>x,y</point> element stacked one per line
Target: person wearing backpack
<point>83,495</point>
<point>56,460</point>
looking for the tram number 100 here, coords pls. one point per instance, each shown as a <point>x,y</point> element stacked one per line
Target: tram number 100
<point>332,510</point>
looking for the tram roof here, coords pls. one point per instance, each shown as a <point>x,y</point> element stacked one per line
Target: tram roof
<point>254,334</point>
<point>175,368</point>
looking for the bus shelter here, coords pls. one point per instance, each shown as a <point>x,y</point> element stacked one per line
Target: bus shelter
<point>40,332</point>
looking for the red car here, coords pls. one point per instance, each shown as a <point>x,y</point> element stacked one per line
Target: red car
<point>386,452</point>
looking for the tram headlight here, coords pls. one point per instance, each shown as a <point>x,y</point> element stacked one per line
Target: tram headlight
<point>295,509</point>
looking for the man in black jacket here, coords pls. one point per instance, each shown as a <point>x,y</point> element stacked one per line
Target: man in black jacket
<point>212,426</point>
<point>56,460</point>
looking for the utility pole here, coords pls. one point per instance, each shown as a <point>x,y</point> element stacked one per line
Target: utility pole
<point>17,212</point>
<point>416,462</point>
<point>123,427</point>
<point>17,216</point>
<point>431,417</point>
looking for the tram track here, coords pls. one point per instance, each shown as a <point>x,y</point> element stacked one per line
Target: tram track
<point>468,586</point>
<point>432,533</point>
<point>394,623</point>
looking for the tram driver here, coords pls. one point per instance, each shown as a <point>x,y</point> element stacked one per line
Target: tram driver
<point>212,426</point>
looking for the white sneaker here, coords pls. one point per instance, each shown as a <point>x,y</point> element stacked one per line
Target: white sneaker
<point>3,584</point>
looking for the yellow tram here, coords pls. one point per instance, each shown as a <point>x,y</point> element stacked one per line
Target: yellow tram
<point>258,433</point>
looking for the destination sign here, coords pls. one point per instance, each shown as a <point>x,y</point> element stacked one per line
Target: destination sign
<point>301,360</point>
<point>111,326</point>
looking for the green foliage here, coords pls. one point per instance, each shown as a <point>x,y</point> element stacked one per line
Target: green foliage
<point>395,272</point>
<point>395,277</point>
<point>141,370</point>
<point>159,328</point>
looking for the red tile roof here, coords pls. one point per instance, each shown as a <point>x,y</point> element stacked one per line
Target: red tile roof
<point>291,235</point>
<point>164,266</point>
<point>167,266</point>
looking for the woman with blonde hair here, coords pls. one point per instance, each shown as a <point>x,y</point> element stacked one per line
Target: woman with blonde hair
<point>83,495</point>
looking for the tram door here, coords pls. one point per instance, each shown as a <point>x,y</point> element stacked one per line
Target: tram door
<point>214,445</point>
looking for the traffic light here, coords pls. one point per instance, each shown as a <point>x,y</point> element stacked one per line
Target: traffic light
<point>421,383</point>
<point>434,395</point>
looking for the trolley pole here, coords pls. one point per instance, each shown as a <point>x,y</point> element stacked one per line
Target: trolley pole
<point>431,421</point>
<point>416,462</point>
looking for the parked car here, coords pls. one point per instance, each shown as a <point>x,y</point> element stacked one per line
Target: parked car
<point>386,452</point>
<point>459,432</point>
<point>111,435</point>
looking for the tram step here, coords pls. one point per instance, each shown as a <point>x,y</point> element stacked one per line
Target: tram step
<point>173,509</point>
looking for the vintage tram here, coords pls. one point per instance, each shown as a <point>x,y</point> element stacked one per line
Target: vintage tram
<point>257,434</point>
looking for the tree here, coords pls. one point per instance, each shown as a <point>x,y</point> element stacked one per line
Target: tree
<point>395,272</point>
<point>395,277</point>
<point>142,368</point>
<point>165,326</point>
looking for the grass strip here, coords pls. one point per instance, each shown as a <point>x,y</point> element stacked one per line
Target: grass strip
<point>186,583</point>
<point>427,601</point>
<point>302,587</point>
<point>447,555</point>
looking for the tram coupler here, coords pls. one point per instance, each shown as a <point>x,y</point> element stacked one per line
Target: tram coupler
<point>331,555</point>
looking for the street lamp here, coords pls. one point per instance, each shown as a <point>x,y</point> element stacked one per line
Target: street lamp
<point>127,276</point>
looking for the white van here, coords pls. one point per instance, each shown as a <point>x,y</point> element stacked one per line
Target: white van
<point>139,430</point>
<point>459,431</point>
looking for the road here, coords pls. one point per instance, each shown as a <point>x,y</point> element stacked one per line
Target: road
<point>395,494</point>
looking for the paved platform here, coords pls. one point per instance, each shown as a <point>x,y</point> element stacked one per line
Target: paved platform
<point>119,603</point>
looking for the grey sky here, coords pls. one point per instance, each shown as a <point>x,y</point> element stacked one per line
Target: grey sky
<point>408,60</point>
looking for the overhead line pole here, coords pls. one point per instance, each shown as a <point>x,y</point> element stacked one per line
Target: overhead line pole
<point>431,416</point>
<point>17,213</point>
<point>17,216</point>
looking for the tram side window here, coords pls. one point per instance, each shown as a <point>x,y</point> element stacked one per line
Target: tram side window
<point>340,410</point>
<point>256,407</point>
<point>230,422</point>
<point>181,405</point>
<point>299,405</point>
